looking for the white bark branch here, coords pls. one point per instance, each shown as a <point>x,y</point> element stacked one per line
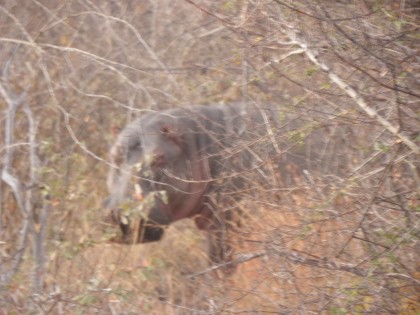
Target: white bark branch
<point>312,56</point>
<point>6,175</point>
<point>13,103</point>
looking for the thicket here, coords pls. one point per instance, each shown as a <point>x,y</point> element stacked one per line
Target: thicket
<point>74,72</point>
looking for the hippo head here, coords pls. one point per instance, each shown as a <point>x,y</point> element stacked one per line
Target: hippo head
<point>157,176</point>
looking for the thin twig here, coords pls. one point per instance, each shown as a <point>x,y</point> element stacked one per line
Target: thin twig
<point>313,56</point>
<point>239,260</point>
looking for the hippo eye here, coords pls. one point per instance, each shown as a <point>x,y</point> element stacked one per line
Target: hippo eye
<point>170,135</point>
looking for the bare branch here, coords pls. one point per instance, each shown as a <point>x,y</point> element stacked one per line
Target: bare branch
<point>296,257</point>
<point>13,182</point>
<point>6,175</point>
<point>6,275</point>
<point>313,56</point>
<point>242,258</point>
<point>138,36</point>
<point>290,255</point>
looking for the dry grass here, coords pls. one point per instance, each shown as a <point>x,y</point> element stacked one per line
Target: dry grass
<point>155,278</point>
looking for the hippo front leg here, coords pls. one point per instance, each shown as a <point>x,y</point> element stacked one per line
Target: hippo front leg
<point>150,232</point>
<point>144,231</point>
<point>216,226</point>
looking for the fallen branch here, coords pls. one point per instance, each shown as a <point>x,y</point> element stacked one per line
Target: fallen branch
<point>239,260</point>
<point>324,263</point>
<point>292,256</point>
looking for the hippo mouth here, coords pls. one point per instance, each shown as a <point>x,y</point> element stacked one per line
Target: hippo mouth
<point>143,222</point>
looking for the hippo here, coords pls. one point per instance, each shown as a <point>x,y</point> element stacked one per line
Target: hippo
<point>179,163</point>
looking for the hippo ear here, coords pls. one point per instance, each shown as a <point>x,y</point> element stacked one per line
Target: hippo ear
<point>135,151</point>
<point>171,134</point>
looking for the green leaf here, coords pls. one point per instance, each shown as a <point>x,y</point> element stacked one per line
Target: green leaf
<point>85,299</point>
<point>311,71</point>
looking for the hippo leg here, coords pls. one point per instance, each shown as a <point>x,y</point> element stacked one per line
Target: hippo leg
<point>146,232</point>
<point>148,229</point>
<point>152,229</point>
<point>150,232</point>
<point>216,227</point>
